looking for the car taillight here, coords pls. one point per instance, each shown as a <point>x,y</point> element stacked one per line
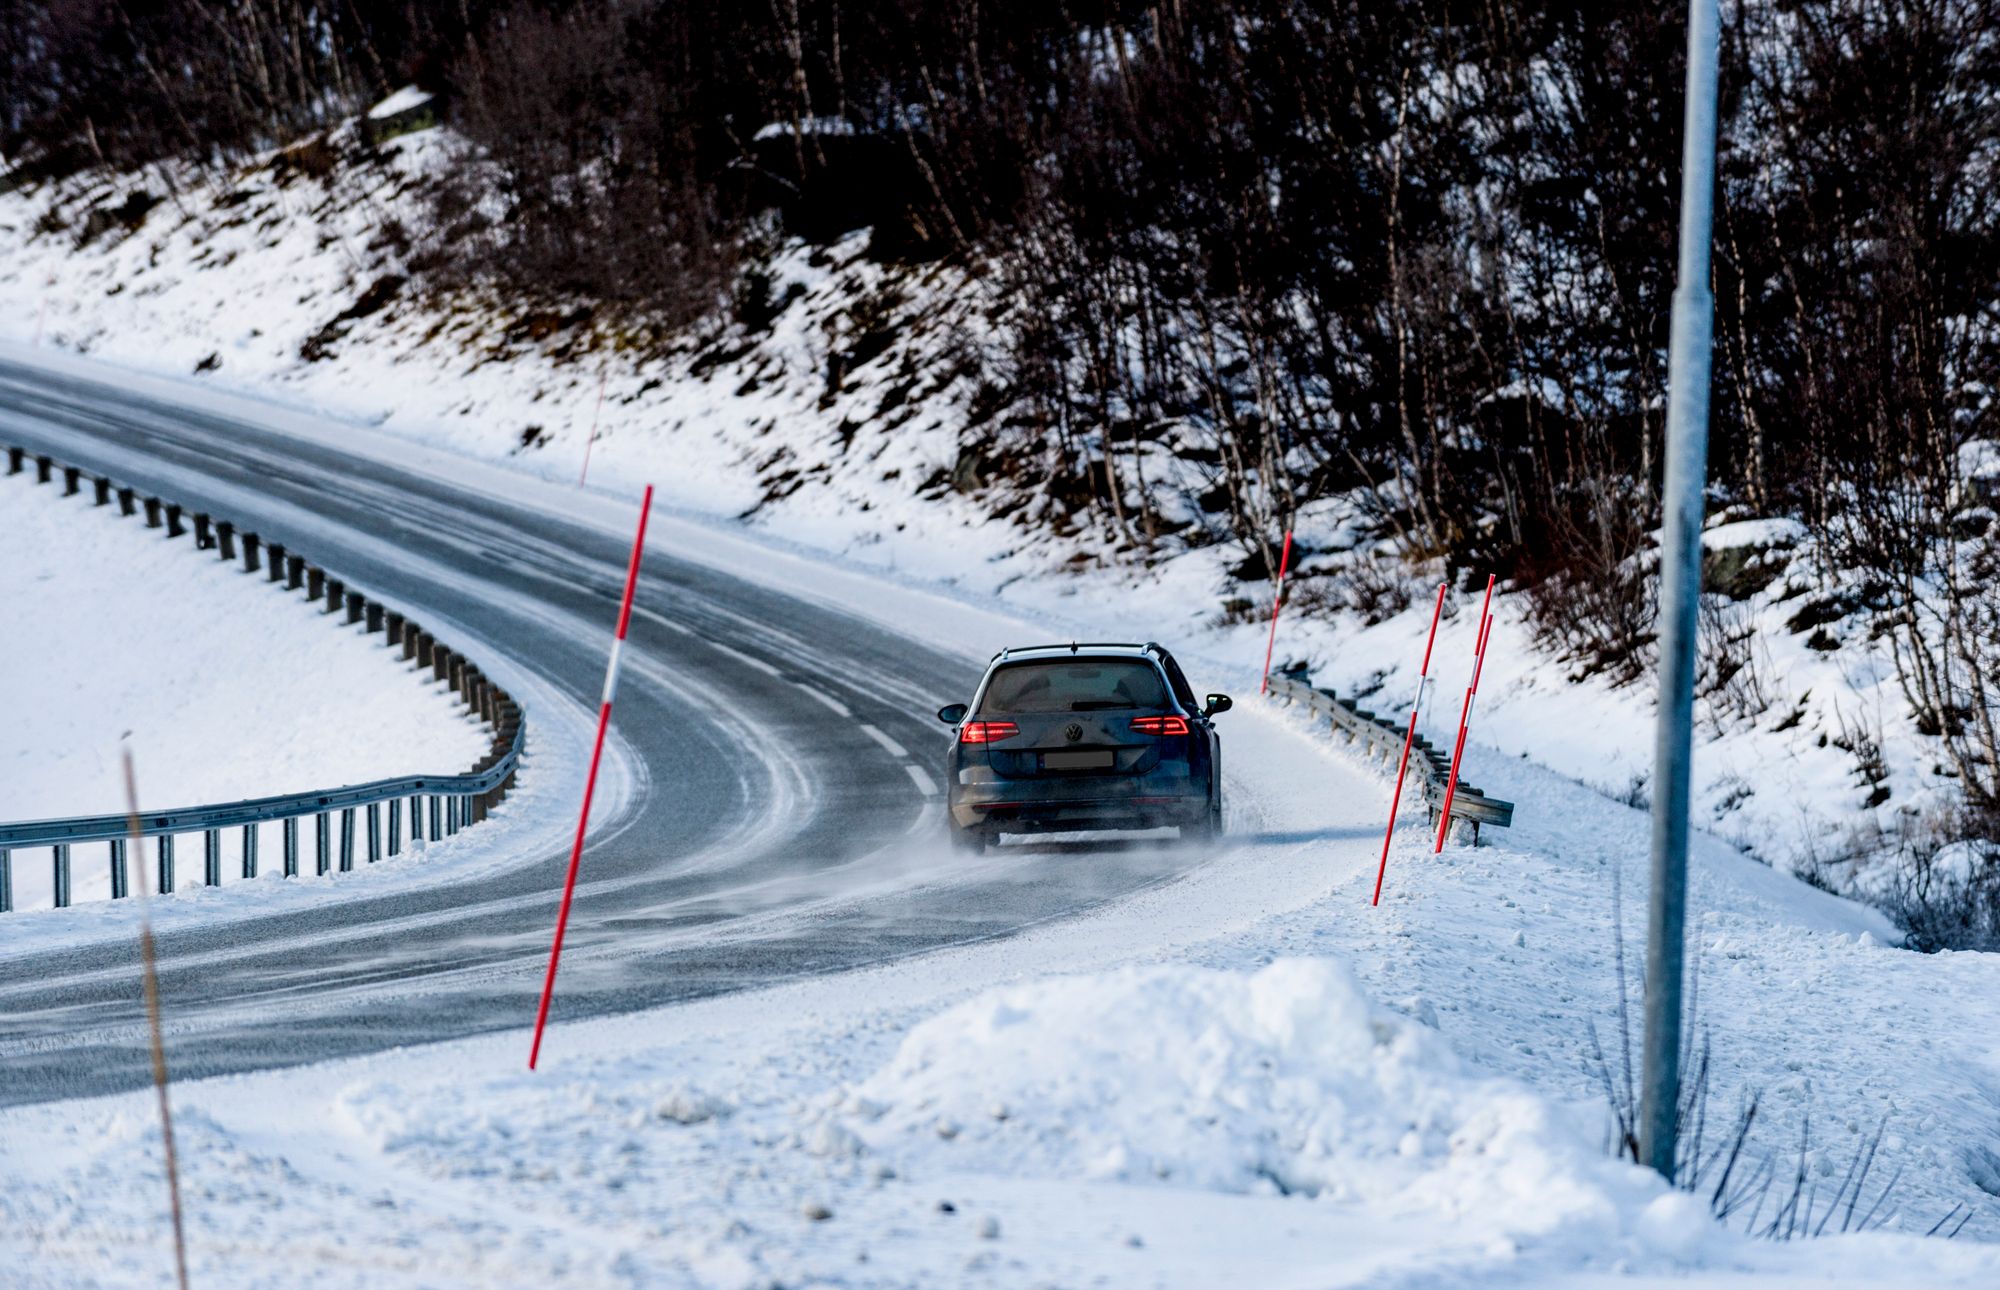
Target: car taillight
<point>986,732</point>
<point>1160,725</point>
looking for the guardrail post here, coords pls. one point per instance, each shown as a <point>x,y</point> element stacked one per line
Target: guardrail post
<point>416,818</point>
<point>14,458</point>
<point>174,527</point>
<point>374,832</point>
<point>7,857</point>
<point>335,591</point>
<point>164,850</point>
<point>249,851</point>
<point>426,643</point>
<point>274,561</point>
<point>250,544</point>
<point>315,583</point>
<point>61,850</point>
<point>225,539</point>
<point>356,603</point>
<point>121,878</point>
<point>152,512</point>
<point>291,846</point>
<point>202,537</point>
<point>71,481</point>
<point>347,839</point>
<point>128,502</point>
<point>211,857</point>
<point>393,627</point>
<point>441,664</point>
<point>375,613</point>
<point>43,468</point>
<point>100,490</point>
<point>322,843</point>
<point>295,572</point>
<point>395,825</point>
<point>437,809</point>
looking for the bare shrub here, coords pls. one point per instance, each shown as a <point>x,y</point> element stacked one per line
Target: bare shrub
<point>1733,677</point>
<point>1945,880</point>
<point>1772,1194</point>
<point>1597,605</point>
<point>1373,589</point>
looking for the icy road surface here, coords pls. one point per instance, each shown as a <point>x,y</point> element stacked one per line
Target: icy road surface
<point>778,815</point>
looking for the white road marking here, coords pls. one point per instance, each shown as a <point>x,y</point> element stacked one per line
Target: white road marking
<point>828,700</point>
<point>664,621</point>
<point>924,782</point>
<point>884,740</point>
<point>757,663</point>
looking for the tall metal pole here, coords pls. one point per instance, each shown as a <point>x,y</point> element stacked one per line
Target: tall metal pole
<point>1680,588</point>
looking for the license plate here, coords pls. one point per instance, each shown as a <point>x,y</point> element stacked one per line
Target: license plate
<point>1099,759</point>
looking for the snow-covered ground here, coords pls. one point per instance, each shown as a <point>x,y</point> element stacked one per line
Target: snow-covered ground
<point>221,686</point>
<point>1246,1074</point>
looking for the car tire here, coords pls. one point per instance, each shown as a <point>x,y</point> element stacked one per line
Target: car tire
<point>967,841</point>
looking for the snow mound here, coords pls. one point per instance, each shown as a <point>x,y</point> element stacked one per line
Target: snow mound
<point>401,101</point>
<point>1287,1079</point>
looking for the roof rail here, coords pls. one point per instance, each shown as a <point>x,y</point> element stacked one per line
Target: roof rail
<point>1074,646</point>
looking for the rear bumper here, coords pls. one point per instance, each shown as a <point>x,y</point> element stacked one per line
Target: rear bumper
<point>1062,804</point>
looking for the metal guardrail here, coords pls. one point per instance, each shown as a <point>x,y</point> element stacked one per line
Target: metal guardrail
<point>1384,738</point>
<point>439,805</point>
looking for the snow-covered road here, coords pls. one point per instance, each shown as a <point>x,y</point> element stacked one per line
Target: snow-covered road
<point>760,832</point>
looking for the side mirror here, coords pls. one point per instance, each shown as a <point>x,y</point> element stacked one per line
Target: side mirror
<point>1217,703</point>
<point>952,713</point>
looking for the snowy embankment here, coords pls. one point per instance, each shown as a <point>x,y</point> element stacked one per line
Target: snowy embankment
<point>221,686</point>
<point>1245,1075</point>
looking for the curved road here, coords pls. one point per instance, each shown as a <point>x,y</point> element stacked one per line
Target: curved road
<point>769,836</point>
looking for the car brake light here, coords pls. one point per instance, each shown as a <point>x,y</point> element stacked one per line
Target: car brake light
<point>1160,725</point>
<point>986,732</point>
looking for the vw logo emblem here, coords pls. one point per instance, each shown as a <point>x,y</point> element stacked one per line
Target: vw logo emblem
<point>1073,732</point>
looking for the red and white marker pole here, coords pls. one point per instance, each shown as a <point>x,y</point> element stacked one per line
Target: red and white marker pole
<point>1409,738</point>
<point>590,781</point>
<point>1277,603</point>
<point>1465,714</point>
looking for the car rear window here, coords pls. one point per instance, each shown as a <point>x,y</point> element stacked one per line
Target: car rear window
<point>1074,685</point>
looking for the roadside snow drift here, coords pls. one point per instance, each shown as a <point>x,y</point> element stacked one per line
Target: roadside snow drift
<point>1287,1079</point>
<point>222,686</point>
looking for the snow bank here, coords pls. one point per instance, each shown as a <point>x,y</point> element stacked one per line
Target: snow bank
<point>223,687</point>
<point>1288,1079</point>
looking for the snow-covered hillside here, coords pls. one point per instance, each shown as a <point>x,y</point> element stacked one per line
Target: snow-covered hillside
<point>844,405</point>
